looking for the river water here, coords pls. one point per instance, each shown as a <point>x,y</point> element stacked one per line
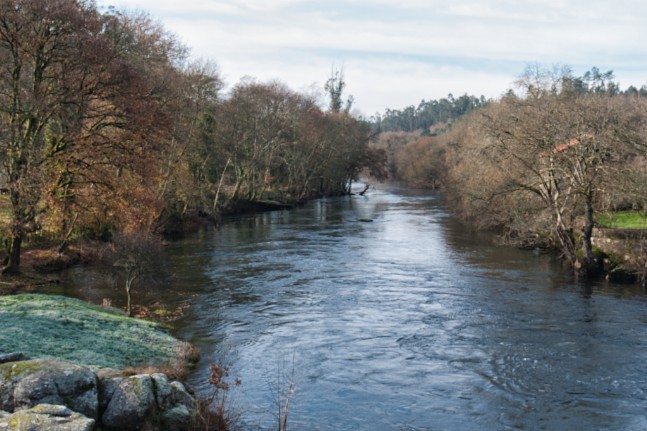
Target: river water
<point>407,322</point>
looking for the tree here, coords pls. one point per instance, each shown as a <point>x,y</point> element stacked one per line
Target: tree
<point>561,147</point>
<point>420,163</point>
<point>256,127</point>
<point>136,256</point>
<point>52,57</point>
<point>335,88</point>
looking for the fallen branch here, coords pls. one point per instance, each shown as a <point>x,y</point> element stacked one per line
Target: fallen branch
<point>366,187</point>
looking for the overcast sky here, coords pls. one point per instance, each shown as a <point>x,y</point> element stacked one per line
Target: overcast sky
<point>395,53</point>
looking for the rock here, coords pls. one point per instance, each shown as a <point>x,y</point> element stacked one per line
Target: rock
<point>181,396</point>
<point>46,417</point>
<point>61,396</point>
<point>177,418</point>
<point>132,406</point>
<point>107,388</point>
<point>163,391</point>
<point>170,394</point>
<point>174,402</point>
<point>12,357</point>
<point>25,384</point>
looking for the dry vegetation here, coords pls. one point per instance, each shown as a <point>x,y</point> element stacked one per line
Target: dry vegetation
<point>540,165</point>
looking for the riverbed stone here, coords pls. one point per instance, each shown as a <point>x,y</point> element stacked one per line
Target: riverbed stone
<point>25,384</point>
<point>132,406</point>
<point>46,417</point>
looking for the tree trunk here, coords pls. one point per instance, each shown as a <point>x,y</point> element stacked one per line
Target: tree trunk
<point>13,261</point>
<point>565,240</point>
<point>589,266</point>
<point>128,307</point>
<point>644,277</point>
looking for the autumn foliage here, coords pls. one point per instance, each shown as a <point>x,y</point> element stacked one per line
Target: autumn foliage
<point>106,126</point>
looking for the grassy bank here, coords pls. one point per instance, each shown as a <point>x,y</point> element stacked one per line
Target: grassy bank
<point>623,220</point>
<point>66,328</point>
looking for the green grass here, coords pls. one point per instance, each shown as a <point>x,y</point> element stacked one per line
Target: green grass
<point>66,328</point>
<point>623,220</point>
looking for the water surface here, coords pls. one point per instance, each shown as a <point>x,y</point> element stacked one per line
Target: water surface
<point>408,322</point>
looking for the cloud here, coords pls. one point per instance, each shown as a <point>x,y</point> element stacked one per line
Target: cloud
<point>408,50</point>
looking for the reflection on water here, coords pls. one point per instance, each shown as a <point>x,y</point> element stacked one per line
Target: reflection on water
<point>410,322</point>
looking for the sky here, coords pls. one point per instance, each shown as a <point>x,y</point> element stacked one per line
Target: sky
<point>395,53</point>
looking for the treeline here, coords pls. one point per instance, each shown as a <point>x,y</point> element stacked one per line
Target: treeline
<point>106,126</point>
<point>428,116</point>
<point>431,117</point>
<point>542,162</point>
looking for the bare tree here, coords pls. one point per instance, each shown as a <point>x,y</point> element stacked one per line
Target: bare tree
<point>137,256</point>
<point>561,148</point>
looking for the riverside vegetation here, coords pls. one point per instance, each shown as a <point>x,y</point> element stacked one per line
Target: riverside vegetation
<point>108,130</point>
<point>111,136</point>
<point>544,165</point>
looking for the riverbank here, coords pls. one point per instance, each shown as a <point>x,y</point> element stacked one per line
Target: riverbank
<point>64,328</point>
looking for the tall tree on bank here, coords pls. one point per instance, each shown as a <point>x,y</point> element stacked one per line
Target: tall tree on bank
<point>52,64</point>
<point>335,89</point>
<point>347,141</point>
<point>85,112</point>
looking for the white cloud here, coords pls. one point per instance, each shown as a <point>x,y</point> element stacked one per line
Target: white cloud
<point>397,52</point>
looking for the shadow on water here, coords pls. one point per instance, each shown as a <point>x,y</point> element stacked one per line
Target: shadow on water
<point>409,322</point>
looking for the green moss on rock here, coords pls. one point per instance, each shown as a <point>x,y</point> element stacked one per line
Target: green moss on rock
<point>15,370</point>
<point>66,328</point>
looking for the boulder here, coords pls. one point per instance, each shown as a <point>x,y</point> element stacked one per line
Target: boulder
<point>25,384</point>
<point>174,402</point>
<point>56,395</point>
<point>46,417</point>
<point>177,418</point>
<point>132,406</point>
<point>107,388</point>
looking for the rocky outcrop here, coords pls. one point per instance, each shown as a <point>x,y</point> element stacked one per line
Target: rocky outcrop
<point>76,396</point>
<point>132,405</point>
<point>25,384</point>
<point>177,405</point>
<point>46,417</point>
<point>147,401</point>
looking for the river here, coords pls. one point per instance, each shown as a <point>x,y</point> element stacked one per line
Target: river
<point>408,322</point>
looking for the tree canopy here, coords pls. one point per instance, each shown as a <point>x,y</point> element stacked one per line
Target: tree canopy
<point>107,126</point>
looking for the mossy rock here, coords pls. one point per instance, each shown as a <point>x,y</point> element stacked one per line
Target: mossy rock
<point>69,329</point>
<point>25,384</point>
<point>47,417</point>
